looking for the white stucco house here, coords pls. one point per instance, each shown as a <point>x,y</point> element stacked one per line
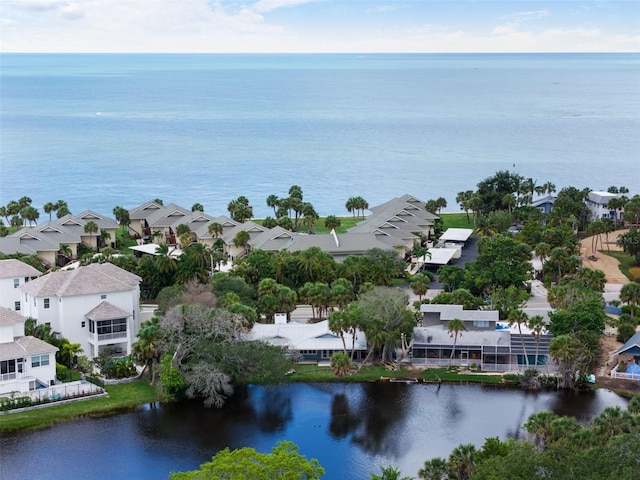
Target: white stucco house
<point>14,273</point>
<point>598,203</point>
<point>26,363</point>
<point>97,306</point>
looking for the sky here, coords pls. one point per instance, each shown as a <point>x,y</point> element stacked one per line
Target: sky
<point>315,26</point>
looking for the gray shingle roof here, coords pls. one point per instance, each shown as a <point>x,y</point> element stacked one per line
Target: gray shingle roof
<point>23,347</point>
<point>93,278</point>
<point>12,268</point>
<point>8,317</point>
<point>106,311</point>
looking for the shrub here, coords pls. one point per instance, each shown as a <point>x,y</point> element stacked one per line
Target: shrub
<point>340,364</point>
<point>625,332</point>
<point>634,274</point>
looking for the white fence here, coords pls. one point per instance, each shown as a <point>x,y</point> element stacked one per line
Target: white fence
<point>62,391</point>
<point>625,376</point>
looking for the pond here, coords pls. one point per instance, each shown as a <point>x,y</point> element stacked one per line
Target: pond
<point>352,429</point>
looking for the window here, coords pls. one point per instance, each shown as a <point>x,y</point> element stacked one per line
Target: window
<point>481,323</point>
<point>46,303</point>
<point>83,324</point>
<point>102,297</point>
<point>106,327</point>
<point>17,306</point>
<point>20,365</point>
<point>92,326</point>
<point>16,282</point>
<point>40,360</point>
<point>326,353</point>
<point>8,366</point>
<point>26,279</point>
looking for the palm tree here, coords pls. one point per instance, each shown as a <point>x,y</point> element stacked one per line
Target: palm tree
<point>69,350</point>
<point>164,261</point>
<point>145,349</point>
<point>337,324</point>
<point>340,363</point>
<point>420,285</point>
<point>197,207</point>
<point>517,316</point>
<point>332,222</point>
<point>389,473</point>
<point>463,199</point>
<point>537,327</point>
<point>65,251</point>
<point>242,239</point>
<point>539,425</point>
<point>462,461</point>
<point>91,227</point>
<point>562,348</point>
<point>351,206</point>
<point>542,250</point>
<point>104,236</point>
<point>608,226</point>
<point>455,329</point>
<point>272,201</point>
<point>630,293</point>
<point>435,469</point>
<point>613,421</point>
<point>48,208</point>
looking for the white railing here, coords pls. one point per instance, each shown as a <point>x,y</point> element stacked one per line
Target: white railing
<point>111,336</point>
<point>7,376</point>
<point>625,376</point>
<point>61,391</point>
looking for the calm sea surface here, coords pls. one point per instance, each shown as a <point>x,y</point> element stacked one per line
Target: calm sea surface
<point>106,130</point>
<point>351,429</point>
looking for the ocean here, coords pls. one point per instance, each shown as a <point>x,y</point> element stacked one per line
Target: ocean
<point>104,130</point>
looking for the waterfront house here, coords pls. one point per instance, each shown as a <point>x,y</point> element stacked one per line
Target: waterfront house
<point>598,203</point>
<point>14,273</point>
<point>97,306</point>
<point>26,362</point>
<point>485,342</point>
<point>544,204</point>
<point>309,342</point>
<point>47,239</point>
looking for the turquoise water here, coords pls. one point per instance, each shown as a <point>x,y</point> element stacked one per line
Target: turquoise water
<point>106,130</point>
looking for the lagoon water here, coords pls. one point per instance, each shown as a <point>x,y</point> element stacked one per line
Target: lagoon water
<point>351,429</point>
<point>106,130</point>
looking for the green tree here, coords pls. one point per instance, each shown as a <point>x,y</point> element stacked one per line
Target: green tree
<point>630,243</point>
<point>537,326</point>
<point>241,240</point>
<point>146,348</point>
<point>272,201</point>
<point>197,207</point>
<point>70,350</point>
<point>171,379</point>
<point>283,463</point>
<point>563,349</point>
<point>420,285</point>
<point>630,294</point>
<point>389,473</point>
<point>91,227</point>
<point>455,328</point>
<point>435,469</point>
<point>122,216</point>
<point>519,317</point>
<point>332,222</point>
<point>30,214</point>
<point>340,363</point>
<point>462,461</point>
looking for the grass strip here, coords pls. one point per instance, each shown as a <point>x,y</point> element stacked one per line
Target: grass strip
<point>121,397</point>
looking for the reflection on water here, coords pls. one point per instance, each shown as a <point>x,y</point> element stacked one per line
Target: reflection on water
<point>352,429</point>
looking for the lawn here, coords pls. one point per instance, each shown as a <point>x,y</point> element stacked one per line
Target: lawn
<point>121,397</point>
<point>456,220</point>
<point>315,373</point>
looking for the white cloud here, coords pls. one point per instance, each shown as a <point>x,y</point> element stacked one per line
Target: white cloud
<point>269,5</point>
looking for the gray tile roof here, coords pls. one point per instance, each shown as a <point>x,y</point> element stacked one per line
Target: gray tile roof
<point>8,317</point>
<point>106,311</point>
<point>91,279</point>
<point>145,210</point>
<point>12,268</point>
<point>23,347</point>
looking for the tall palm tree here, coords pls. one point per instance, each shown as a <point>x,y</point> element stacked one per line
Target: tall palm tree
<point>539,425</point>
<point>389,473</point>
<point>455,329</point>
<point>542,250</point>
<point>420,285</point>
<point>563,349</point>
<point>537,327</point>
<point>613,421</point>
<point>272,201</point>
<point>48,208</point>
<point>145,349</point>
<point>91,227</point>
<point>69,350</point>
<point>65,251</point>
<point>518,317</point>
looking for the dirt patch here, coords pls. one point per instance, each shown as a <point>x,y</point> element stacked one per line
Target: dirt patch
<point>600,261</point>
